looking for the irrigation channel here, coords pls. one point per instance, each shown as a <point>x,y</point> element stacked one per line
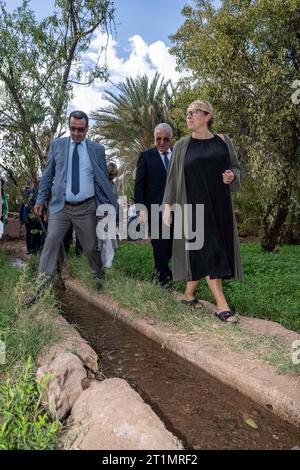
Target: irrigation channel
<point>201,411</point>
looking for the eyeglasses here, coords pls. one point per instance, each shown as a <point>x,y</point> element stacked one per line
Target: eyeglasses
<point>78,129</point>
<point>192,113</point>
<point>164,139</point>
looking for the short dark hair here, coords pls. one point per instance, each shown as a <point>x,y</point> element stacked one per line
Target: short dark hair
<point>79,115</point>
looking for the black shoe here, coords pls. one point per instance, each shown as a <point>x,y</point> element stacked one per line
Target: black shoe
<point>167,283</point>
<point>42,282</point>
<point>99,283</point>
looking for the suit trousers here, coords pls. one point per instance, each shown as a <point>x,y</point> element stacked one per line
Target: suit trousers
<point>83,219</point>
<point>162,253</point>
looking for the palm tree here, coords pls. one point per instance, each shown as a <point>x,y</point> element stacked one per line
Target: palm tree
<point>126,125</point>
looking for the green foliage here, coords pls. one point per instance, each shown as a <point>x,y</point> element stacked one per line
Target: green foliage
<point>249,207</point>
<point>244,57</point>
<point>40,61</point>
<point>270,289</point>
<point>8,279</point>
<point>23,422</point>
<point>135,260</point>
<point>24,331</point>
<point>126,125</point>
<point>183,95</point>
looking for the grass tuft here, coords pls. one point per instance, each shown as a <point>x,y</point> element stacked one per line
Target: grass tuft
<point>25,332</point>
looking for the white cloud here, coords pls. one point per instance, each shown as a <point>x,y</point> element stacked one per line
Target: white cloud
<point>87,98</point>
<point>142,58</point>
<point>162,60</point>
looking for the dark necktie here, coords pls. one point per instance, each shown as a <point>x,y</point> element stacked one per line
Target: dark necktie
<point>75,170</point>
<point>166,160</point>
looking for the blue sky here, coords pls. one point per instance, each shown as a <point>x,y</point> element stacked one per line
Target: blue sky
<point>140,45</point>
<point>153,20</point>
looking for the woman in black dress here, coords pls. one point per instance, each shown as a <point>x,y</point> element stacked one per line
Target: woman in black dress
<point>204,170</point>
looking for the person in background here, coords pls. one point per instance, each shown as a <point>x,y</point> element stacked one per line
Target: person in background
<point>4,205</point>
<point>29,219</point>
<point>132,215</point>
<point>109,245</point>
<point>150,181</point>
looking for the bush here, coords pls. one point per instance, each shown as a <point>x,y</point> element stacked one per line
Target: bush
<point>23,422</point>
<point>249,208</point>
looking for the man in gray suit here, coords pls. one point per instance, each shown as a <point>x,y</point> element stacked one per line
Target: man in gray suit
<point>76,174</point>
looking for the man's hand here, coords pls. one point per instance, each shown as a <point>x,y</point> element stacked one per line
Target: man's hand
<point>142,217</point>
<point>38,209</point>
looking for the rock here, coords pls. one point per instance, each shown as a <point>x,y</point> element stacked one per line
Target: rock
<point>71,342</point>
<point>67,376</point>
<point>110,415</point>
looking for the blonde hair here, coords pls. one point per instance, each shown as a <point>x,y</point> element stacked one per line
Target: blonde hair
<point>204,106</point>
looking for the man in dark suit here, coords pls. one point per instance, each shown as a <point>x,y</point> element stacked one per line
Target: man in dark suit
<point>76,174</point>
<point>150,182</point>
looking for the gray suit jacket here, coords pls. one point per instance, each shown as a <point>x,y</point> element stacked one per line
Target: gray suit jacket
<point>54,177</point>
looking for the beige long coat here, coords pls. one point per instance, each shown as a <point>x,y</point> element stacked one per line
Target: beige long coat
<point>175,193</point>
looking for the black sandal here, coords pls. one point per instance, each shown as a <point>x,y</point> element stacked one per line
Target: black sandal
<point>196,303</point>
<point>226,315</point>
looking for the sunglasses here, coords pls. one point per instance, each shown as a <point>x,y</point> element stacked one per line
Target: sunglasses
<point>164,139</point>
<point>78,129</point>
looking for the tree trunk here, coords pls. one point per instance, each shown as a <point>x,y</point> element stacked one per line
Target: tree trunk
<point>272,230</point>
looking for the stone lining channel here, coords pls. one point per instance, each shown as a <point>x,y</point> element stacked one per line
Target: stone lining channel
<point>198,409</point>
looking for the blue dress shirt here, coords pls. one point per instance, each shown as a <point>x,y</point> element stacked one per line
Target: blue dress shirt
<point>86,174</point>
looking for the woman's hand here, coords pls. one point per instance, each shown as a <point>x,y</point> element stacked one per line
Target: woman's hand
<point>167,215</point>
<point>228,177</point>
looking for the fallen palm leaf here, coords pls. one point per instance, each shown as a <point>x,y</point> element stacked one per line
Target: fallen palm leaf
<point>250,422</point>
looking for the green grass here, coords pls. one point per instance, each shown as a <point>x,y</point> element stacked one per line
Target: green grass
<point>23,422</point>
<point>9,277</point>
<point>24,330</point>
<point>271,286</point>
<point>129,283</point>
<point>270,289</point>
